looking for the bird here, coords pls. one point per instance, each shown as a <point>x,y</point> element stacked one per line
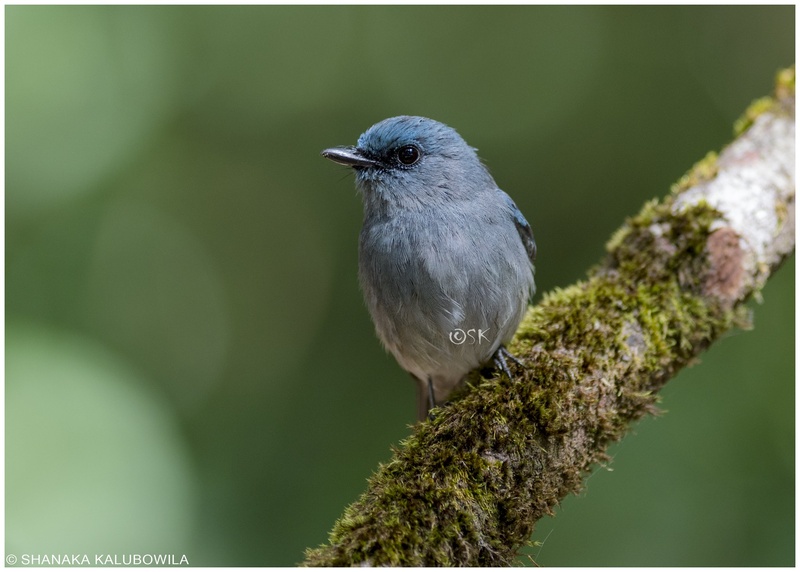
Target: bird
<point>445,257</point>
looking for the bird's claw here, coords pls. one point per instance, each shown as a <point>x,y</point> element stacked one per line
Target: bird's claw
<point>500,361</point>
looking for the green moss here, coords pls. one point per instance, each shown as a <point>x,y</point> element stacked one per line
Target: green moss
<point>755,109</point>
<point>704,170</point>
<point>784,87</point>
<point>784,83</point>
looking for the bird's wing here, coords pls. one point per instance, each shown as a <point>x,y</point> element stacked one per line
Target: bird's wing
<point>524,229</point>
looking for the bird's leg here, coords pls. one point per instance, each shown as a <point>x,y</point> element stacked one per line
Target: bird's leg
<point>500,360</point>
<point>431,400</point>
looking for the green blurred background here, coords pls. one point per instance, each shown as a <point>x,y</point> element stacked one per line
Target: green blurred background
<point>189,365</point>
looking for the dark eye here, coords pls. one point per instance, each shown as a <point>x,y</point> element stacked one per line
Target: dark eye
<point>408,154</point>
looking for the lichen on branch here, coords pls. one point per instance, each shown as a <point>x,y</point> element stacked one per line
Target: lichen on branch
<point>469,485</point>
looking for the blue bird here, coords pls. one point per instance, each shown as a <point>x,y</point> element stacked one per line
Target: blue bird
<point>445,256</point>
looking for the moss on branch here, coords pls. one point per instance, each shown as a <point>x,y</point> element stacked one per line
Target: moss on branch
<point>468,486</point>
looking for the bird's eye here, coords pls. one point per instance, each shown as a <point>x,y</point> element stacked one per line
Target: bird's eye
<point>408,154</point>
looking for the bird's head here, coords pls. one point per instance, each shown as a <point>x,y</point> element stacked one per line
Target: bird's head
<point>413,162</point>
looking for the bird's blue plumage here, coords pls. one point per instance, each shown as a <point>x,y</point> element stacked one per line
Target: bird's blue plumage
<point>445,256</point>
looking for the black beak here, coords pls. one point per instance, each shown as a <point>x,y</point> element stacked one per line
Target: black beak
<point>348,156</point>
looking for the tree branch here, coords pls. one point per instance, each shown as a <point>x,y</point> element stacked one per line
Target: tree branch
<point>467,487</point>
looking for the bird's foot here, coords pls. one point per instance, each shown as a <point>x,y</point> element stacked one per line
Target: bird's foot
<point>500,357</point>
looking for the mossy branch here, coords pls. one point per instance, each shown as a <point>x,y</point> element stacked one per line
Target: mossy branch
<point>467,487</point>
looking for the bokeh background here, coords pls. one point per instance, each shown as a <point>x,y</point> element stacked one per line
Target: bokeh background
<point>189,365</point>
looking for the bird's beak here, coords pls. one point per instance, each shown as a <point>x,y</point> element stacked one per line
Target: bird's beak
<point>348,156</point>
